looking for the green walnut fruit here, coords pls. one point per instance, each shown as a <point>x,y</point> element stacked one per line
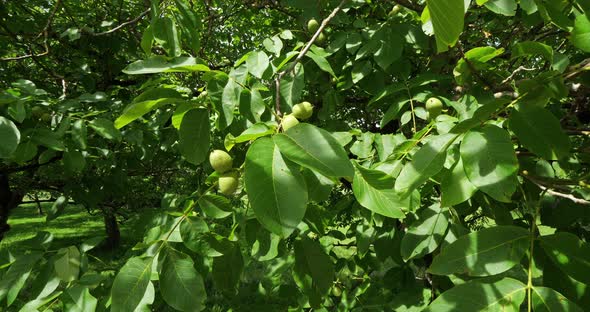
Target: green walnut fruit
<point>434,107</point>
<point>37,111</point>
<point>289,121</point>
<point>320,39</point>
<point>228,183</point>
<point>313,25</point>
<point>336,291</point>
<point>220,161</point>
<point>303,110</point>
<point>46,117</point>
<point>395,10</point>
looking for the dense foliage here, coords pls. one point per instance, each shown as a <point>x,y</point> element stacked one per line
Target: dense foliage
<point>299,155</point>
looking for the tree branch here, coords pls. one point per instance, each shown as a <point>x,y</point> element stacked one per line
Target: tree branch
<point>127,23</point>
<point>301,55</point>
<point>556,193</point>
<point>32,166</point>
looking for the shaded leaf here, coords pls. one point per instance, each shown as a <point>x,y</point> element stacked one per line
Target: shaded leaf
<point>425,234</point>
<point>130,284</point>
<point>194,136</point>
<point>426,162</point>
<point>490,162</point>
<point>504,295</point>
<point>276,189</point>
<point>180,284</point>
<point>486,252</point>
<point>374,190</point>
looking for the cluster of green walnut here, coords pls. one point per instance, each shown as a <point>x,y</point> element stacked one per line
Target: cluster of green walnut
<point>228,177</point>
<point>300,111</point>
<point>312,27</point>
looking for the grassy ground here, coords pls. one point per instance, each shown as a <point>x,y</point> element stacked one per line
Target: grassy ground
<point>71,228</point>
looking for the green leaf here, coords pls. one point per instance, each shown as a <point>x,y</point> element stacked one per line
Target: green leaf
<point>79,299</point>
<point>9,136</point>
<point>580,36</point>
<point>194,136</point>
<point>540,132</point>
<point>130,284</point>
<point>214,206</point>
<point>548,300</point>
<point>252,105</point>
<point>529,6</point>
<point>447,21</point>
<point>79,133</point>
<point>180,284</point>
<point>14,279</point>
<point>257,63</point>
<point>230,100</point>
<point>67,264</point>
<point>292,87</point>
<point>227,269</point>
<point>486,252</point>
<point>532,48</point>
<point>273,45</point>
<point>160,64</point>
<point>361,70</point>
<point>322,63</point>
<point>374,190</point>
<point>49,139</point>
<point>391,47</point>
<point>455,186</point>
<point>569,253</point>
<point>316,149</point>
<point>135,110</point>
<point>319,187</point>
<point>313,271</point>
<point>427,162</point>
<point>191,232</point>
<point>419,81</point>
<point>490,161</point>
<point>267,176</point>
<point>25,152</point>
<point>504,7</point>
<point>191,24</point>
<point>74,161</point>
<point>106,129</point>
<point>504,295</point>
<point>57,208</point>
<point>426,233</point>
<point>254,132</point>
<point>265,245</point>
<point>165,33</point>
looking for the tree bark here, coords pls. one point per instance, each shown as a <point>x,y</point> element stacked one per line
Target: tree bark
<point>112,228</point>
<point>8,201</point>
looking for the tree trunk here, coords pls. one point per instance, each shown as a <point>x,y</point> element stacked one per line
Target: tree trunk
<point>36,197</point>
<point>8,201</point>
<point>112,228</point>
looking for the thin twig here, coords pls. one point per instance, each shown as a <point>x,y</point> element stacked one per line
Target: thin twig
<point>555,193</point>
<point>519,69</point>
<point>301,55</point>
<point>578,68</point>
<point>129,22</point>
